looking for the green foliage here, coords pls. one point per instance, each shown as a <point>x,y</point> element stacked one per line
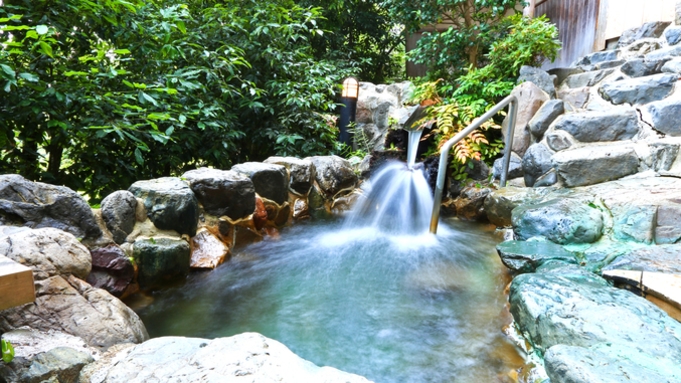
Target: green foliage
<point>528,42</point>
<point>476,25</point>
<point>7,351</point>
<point>101,94</point>
<point>359,35</point>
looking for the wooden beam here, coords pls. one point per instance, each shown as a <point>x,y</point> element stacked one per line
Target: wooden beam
<point>16,284</point>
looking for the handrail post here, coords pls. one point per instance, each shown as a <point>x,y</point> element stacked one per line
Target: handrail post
<point>444,152</point>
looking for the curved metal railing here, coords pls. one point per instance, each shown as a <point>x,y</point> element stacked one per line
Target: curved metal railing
<point>512,101</point>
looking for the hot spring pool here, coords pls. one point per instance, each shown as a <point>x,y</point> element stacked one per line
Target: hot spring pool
<point>392,308</point>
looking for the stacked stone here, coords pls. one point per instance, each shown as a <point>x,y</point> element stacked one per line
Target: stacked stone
<point>614,113</point>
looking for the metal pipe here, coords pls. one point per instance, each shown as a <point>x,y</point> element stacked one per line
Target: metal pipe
<point>444,152</point>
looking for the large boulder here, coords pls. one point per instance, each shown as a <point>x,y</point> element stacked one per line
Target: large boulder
<point>245,357</point>
<point>37,205</point>
<point>562,221</point>
<point>270,180</point>
<point>640,90</point>
<point>161,261</point>
<point>672,66</point>
<point>334,174</point>
<point>222,192</point>
<point>664,53</point>
<point>530,99</point>
<point>605,364</point>
<point>35,361</point>
<point>538,77</point>
<point>111,270</point>
<point>587,79</point>
<point>526,256</point>
<point>567,306</point>
<point>598,57</point>
<point>378,108</point>
<point>663,116</point>
<point>170,204</point>
<point>118,212</point>
<point>302,172</point>
<point>536,162</point>
<point>548,113</point>
<point>660,258</point>
<point>63,300</point>
<point>639,67</point>
<point>515,167</point>
<point>613,125</point>
<point>499,204</point>
<point>673,35</point>
<point>592,165</point>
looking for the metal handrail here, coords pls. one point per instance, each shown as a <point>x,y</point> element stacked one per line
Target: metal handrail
<point>512,101</point>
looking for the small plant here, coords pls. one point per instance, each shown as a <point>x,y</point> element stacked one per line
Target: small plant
<point>7,351</point>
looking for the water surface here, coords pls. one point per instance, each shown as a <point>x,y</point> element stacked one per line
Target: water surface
<point>391,307</point>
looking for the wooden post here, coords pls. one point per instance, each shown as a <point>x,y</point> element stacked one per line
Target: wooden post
<point>16,284</point>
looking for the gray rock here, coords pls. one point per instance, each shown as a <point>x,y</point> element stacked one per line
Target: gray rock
<point>609,64</point>
<point>111,270</point>
<point>550,178</point>
<point>642,47</point>
<point>673,66</point>
<point>560,221</point>
<point>334,174</point>
<point>31,247</point>
<point>578,309</point>
<point>223,192</point>
<point>118,212</point>
<point>302,172</point>
<point>589,165</point>
<point>170,204</point>
<point>563,73</point>
<point>538,77</point>
<point>653,29</point>
<point>598,57</point>
<point>613,125</point>
<point>161,260</point>
<point>640,90</point>
<point>270,181</point>
<point>664,53</point>
<point>73,306</point>
<point>559,140</point>
<point>536,162</point>
<point>184,360</point>
<point>639,67</point>
<point>663,116</point>
<point>659,259</point>
<point>673,35</point>
<point>526,256</point>
<point>627,37</point>
<point>471,202</point>
<point>500,203</point>
<point>664,155</point>
<point>478,170</point>
<point>572,364</point>
<point>668,227</point>
<point>37,205</point>
<point>587,78</point>
<point>62,363</point>
<point>548,113</point>
<point>633,222</point>
<point>530,99</point>
<point>574,98</point>
<point>515,167</point>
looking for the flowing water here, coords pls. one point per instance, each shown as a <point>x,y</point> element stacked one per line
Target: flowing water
<point>374,294</point>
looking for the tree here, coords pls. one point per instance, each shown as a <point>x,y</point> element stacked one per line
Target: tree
<point>476,24</point>
<point>101,94</point>
<point>360,35</point>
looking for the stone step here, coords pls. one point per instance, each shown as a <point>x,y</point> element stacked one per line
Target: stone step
<point>16,284</point>
<point>663,286</point>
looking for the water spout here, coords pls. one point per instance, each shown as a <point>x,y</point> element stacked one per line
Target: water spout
<point>413,146</point>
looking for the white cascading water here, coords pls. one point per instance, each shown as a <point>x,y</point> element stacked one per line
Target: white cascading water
<point>397,199</point>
